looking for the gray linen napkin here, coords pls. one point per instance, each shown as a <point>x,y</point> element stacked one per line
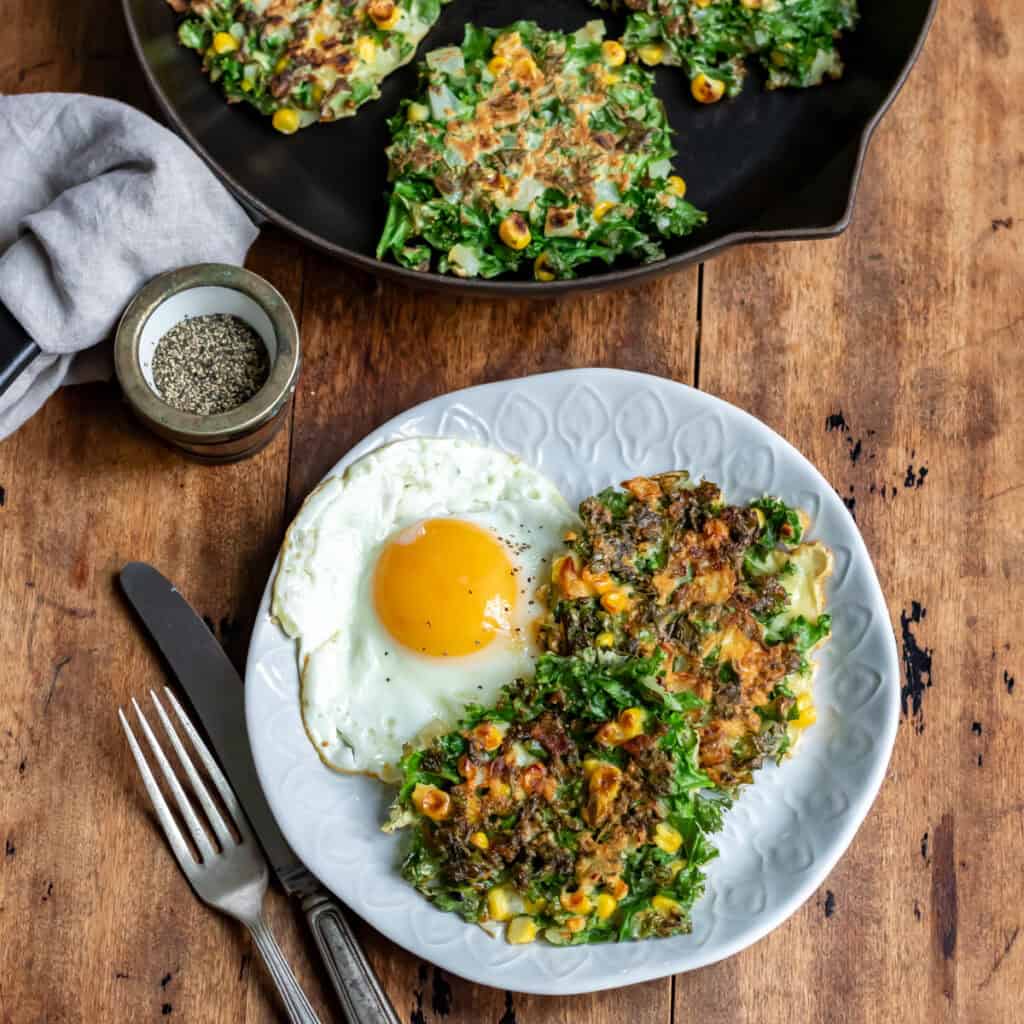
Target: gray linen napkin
<point>95,199</point>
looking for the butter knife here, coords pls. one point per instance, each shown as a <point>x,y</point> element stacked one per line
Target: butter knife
<point>217,696</point>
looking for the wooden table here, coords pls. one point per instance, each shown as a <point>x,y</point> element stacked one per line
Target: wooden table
<point>893,358</point>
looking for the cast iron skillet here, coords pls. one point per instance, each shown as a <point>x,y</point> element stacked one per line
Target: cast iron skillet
<point>766,166</point>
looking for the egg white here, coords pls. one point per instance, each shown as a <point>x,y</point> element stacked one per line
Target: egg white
<point>363,695</point>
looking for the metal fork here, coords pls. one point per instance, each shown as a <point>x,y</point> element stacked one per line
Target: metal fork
<point>232,878</point>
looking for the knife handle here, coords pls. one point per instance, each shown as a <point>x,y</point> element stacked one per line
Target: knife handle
<point>362,998</point>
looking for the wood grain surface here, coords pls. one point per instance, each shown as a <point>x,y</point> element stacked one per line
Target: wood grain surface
<point>892,357</point>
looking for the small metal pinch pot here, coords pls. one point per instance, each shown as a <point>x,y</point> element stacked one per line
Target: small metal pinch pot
<point>209,289</point>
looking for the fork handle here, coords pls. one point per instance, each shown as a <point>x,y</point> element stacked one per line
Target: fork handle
<point>294,999</point>
<point>362,998</point>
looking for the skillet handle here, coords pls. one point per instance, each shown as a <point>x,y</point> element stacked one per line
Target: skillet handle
<point>17,349</point>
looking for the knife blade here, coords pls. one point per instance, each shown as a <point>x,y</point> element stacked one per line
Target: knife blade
<point>217,696</point>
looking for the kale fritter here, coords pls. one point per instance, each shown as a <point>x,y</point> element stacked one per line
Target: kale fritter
<point>572,809</point>
<point>304,61</point>
<point>729,595</point>
<point>531,149</point>
<point>581,806</point>
<point>795,40</point>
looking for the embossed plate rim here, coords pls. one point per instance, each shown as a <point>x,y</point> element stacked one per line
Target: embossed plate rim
<point>776,852</point>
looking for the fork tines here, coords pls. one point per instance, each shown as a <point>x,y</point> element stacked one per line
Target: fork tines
<point>214,818</point>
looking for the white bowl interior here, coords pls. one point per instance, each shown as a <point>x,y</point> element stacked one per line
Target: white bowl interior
<point>203,300</point>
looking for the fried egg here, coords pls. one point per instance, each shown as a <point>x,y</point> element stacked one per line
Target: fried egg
<point>409,585</point>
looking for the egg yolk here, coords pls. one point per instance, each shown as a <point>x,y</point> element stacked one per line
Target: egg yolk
<point>445,587</point>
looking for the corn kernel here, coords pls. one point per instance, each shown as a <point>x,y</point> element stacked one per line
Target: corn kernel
<point>667,838</point>
<point>666,906</point>
<point>613,53</point>
<point>487,736</point>
<point>246,85</point>
<point>431,802</point>
<point>556,565</point>
<point>521,930</point>
<point>676,186</point>
<point>224,42</point>
<point>498,182</point>
<point>706,89</point>
<point>576,902</point>
<point>525,67</point>
<point>499,907</point>
<point>615,601</point>
<point>514,231</point>
<point>576,924</point>
<point>631,722</point>
<point>617,887</point>
<point>499,789</point>
<point>601,581</point>
<point>286,121</point>
<point>417,112</point>
<point>480,840</point>
<point>605,639</point>
<point>808,716</point>
<point>317,94</point>
<point>385,13</point>
<point>601,210</point>
<point>603,786</point>
<point>606,904</point>
<point>751,5</point>
<point>651,54</point>
<point>366,49</point>
<point>508,42</point>
<point>496,65</point>
<point>676,866</point>
<point>535,906</point>
<point>609,78</point>
<point>541,268</point>
<point>282,63</point>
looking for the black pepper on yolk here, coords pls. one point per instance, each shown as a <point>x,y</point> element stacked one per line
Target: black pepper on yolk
<point>445,587</point>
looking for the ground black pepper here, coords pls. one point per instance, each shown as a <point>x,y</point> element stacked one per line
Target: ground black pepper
<point>209,364</point>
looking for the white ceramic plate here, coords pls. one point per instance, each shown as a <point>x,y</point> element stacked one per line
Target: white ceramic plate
<point>587,429</point>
